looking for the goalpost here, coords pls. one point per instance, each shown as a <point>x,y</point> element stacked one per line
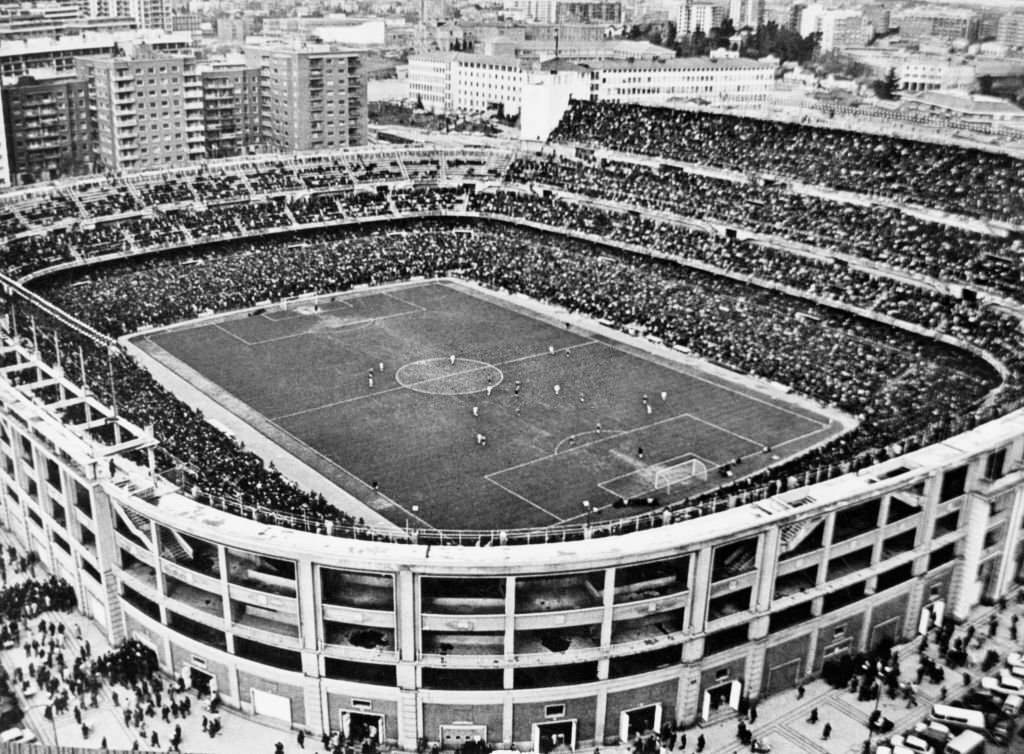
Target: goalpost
<point>680,473</point>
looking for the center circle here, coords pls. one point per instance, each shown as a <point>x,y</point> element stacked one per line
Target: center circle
<point>442,377</point>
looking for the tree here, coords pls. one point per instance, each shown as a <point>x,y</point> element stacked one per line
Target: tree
<point>886,88</point>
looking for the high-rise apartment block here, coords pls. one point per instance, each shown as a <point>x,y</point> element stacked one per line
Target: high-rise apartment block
<point>231,108</point>
<point>148,109</point>
<point>588,12</point>
<point>134,107</point>
<point>49,130</point>
<point>1011,30</point>
<point>703,17</point>
<point>746,13</point>
<point>148,14</point>
<point>312,96</point>
<point>948,24</point>
<point>22,57</point>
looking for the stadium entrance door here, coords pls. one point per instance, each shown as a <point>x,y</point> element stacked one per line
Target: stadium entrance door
<point>200,680</point>
<point>931,615</point>
<point>728,694</point>
<point>362,726</point>
<point>557,736</point>
<point>639,720</point>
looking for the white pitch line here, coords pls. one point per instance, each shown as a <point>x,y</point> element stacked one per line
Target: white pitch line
<point>691,371</point>
<point>734,434</point>
<point>332,404</point>
<point>239,338</point>
<point>524,499</point>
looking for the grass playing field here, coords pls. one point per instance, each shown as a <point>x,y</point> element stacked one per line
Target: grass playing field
<point>303,378</point>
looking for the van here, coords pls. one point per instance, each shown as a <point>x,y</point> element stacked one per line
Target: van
<point>958,719</point>
<point>1012,705</point>
<point>968,742</point>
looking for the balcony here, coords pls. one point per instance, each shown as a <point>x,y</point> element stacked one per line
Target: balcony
<point>646,607</point>
<point>734,559</point>
<point>193,599</point>
<point>463,596</point>
<point>796,582</point>
<point>566,595</point>
<point>363,591</point>
<point>439,645</point>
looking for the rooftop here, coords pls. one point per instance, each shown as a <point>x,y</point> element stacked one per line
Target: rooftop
<point>976,104</point>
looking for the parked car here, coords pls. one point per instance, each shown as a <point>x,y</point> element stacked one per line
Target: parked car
<point>17,736</point>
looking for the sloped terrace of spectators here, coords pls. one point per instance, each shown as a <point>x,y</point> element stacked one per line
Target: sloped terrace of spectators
<point>234,221</point>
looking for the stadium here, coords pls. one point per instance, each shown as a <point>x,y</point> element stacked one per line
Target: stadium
<point>539,446</point>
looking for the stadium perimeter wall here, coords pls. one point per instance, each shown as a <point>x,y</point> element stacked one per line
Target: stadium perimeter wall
<point>676,621</point>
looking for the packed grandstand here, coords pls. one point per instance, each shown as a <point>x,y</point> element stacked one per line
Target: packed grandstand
<point>880,276</point>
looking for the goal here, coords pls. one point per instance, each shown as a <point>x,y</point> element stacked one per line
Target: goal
<point>680,473</point>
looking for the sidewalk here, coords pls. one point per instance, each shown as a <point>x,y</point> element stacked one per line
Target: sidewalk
<point>782,719</point>
<point>240,733</point>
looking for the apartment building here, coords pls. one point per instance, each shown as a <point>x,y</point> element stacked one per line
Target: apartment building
<point>231,108</point>
<point>698,17</point>
<point>746,13</point>
<point>313,96</point>
<point>948,24</point>
<point>588,12</point>
<point>1011,30</point>
<point>22,57</point>
<point>148,108</point>
<point>47,131</point>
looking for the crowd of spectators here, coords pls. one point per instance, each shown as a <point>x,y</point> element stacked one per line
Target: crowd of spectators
<point>965,181</point>
<point>881,234</point>
<point>710,294</point>
<point>835,357</point>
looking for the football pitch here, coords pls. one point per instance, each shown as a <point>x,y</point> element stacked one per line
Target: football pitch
<point>438,404</point>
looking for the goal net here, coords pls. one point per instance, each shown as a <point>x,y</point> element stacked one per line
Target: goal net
<point>680,473</point>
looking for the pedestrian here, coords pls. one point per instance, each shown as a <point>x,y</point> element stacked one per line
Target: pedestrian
<point>753,713</point>
<point>800,691</point>
<point>154,740</point>
<point>301,739</point>
<point>701,742</point>
<point>826,732</point>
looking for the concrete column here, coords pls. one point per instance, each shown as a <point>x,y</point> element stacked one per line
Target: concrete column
<point>510,618</point>
<point>507,711</point>
<point>608,596</point>
<point>1008,567</point>
<point>812,650</point>
<point>308,596</point>
<point>106,554</point>
<point>405,616</point>
<point>696,615</point>
<point>827,534</point>
<point>225,594</point>
<point>754,672</point>
<point>688,693</point>
<point>768,557</point>
<point>600,716</point>
<point>973,521</point>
